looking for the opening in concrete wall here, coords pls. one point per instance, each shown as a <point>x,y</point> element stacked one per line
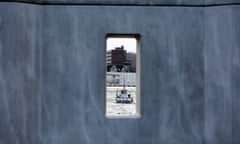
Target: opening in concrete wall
<point>122,75</point>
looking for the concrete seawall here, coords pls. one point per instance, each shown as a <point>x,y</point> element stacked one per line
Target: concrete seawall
<point>52,71</point>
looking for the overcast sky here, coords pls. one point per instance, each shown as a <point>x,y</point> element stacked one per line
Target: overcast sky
<point>130,44</point>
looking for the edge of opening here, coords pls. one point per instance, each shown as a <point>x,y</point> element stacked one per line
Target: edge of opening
<point>138,114</point>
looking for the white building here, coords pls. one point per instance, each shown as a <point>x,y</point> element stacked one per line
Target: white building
<point>121,78</point>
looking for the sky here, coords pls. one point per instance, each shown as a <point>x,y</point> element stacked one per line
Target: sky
<point>130,44</point>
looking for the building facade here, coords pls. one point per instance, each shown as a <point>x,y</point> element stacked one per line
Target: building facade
<point>120,58</point>
<point>116,57</point>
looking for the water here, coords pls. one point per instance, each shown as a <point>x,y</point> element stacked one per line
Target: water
<point>120,109</point>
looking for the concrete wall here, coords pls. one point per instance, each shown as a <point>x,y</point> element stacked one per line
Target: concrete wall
<point>20,98</point>
<point>52,70</point>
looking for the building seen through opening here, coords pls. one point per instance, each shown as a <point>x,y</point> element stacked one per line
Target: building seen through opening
<point>121,76</point>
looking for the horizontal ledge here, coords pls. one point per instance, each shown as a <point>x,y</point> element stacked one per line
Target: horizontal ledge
<point>120,3</point>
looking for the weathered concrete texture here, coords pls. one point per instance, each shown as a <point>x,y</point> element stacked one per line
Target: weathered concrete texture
<point>235,88</point>
<point>73,75</point>
<point>218,59</point>
<point>52,74</point>
<point>19,74</point>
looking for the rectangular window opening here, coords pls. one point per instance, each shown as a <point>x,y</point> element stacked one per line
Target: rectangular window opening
<point>122,96</point>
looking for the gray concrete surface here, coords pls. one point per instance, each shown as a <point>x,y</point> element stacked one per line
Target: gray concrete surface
<point>52,74</point>
<point>218,76</point>
<point>235,79</point>
<point>20,61</point>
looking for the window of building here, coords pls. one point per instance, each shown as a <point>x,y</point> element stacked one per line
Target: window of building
<point>122,76</point>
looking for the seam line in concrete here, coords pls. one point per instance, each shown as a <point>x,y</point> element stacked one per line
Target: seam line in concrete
<point>117,4</point>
